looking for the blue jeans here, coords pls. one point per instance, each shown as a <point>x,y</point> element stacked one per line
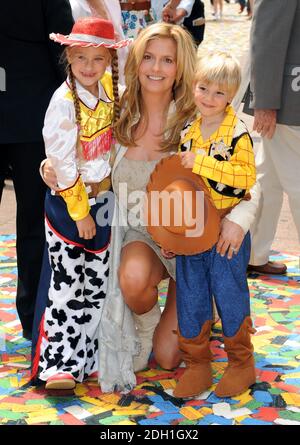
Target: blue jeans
<point>202,276</point>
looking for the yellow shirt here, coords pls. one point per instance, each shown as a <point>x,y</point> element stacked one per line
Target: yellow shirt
<point>225,160</point>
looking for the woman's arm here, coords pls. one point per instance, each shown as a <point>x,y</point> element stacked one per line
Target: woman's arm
<point>244,213</point>
<point>48,175</point>
<point>237,223</point>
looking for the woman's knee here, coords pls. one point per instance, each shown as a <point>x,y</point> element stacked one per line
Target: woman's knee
<point>132,279</point>
<point>135,285</point>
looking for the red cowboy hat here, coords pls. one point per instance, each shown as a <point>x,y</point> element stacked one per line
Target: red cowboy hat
<point>193,232</point>
<point>91,31</point>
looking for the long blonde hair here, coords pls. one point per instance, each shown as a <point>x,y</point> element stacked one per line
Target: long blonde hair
<point>131,102</point>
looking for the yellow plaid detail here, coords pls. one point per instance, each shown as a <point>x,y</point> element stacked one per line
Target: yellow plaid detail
<point>77,200</point>
<point>238,172</point>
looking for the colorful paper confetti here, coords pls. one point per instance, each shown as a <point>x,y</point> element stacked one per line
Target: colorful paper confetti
<point>274,399</point>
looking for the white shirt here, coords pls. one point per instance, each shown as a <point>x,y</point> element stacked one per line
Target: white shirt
<point>81,8</point>
<point>158,5</point>
<point>60,135</point>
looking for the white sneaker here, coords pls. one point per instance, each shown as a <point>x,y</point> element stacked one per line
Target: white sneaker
<point>145,325</point>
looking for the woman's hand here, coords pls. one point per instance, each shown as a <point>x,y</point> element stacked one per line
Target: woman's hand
<point>86,227</point>
<point>231,238</point>
<point>49,176</point>
<point>167,254</point>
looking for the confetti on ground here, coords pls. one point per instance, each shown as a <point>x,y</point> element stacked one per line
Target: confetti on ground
<point>274,399</point>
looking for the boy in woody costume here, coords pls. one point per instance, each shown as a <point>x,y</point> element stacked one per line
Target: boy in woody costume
<point>220,151</point>
<point>218,148</point>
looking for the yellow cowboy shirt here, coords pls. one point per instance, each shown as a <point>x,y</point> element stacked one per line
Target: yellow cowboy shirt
<point>225,160</point>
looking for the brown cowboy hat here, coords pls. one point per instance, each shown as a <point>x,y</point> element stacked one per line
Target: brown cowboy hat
<point>180,219</point>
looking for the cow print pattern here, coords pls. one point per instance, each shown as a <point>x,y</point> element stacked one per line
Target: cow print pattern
<point>75,301</point>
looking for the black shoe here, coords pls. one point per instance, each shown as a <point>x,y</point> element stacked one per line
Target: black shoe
<point>27,334</point>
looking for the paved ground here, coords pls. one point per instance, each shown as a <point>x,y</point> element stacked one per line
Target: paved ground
<point>232,34</point>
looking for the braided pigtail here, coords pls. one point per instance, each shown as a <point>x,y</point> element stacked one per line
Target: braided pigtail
<point>75,98</point>
<point>115,81</point>
<point>117,109</point>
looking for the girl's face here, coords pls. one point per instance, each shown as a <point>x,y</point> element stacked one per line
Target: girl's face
<point>211,99</point>
<point>88,65</point>
<point>157,71</point>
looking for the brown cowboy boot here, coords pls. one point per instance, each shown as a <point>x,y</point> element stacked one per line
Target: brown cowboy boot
<point>197,376</point>
<point>240,372</point>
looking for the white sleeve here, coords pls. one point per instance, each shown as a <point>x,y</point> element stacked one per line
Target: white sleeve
<point>244,213</point>
<point>77,10</point>
<point>60,136</point>
<point>187,5</point>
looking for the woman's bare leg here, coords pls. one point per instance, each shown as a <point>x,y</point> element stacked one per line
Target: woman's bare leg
<point>139,275</point>
<point>165,342</point>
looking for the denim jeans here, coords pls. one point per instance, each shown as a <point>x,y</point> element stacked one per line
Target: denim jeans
<point>201,277</point>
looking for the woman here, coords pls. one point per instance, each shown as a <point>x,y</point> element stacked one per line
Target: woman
<point>158,76</point>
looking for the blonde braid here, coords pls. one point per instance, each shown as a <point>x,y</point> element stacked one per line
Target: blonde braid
<point>115,81</point>
<point>116,117</point>
<point>75,98</point>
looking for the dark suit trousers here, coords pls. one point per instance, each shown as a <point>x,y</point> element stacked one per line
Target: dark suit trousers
<point>24,160</point>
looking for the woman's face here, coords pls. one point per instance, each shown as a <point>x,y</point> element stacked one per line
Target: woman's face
<point>157,71</point>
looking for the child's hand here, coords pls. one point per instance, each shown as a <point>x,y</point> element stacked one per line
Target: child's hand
<point>167,254</point>
<point>187,159</point>
<point>86,227</point>
<point>231,238</point>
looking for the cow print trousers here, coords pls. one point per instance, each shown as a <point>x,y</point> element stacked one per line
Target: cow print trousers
<point>69,328</point>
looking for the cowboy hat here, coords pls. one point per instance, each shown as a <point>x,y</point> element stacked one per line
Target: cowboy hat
<point>91,31</point>
<point>180,214</point>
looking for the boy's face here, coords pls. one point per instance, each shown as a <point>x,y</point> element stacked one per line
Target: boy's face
<point>211,99</point>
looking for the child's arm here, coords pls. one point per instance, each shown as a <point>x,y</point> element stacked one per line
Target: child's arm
<point>60,136</point>
<point>238,172</point>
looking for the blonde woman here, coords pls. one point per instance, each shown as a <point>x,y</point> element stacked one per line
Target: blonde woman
<point>155,106</point>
